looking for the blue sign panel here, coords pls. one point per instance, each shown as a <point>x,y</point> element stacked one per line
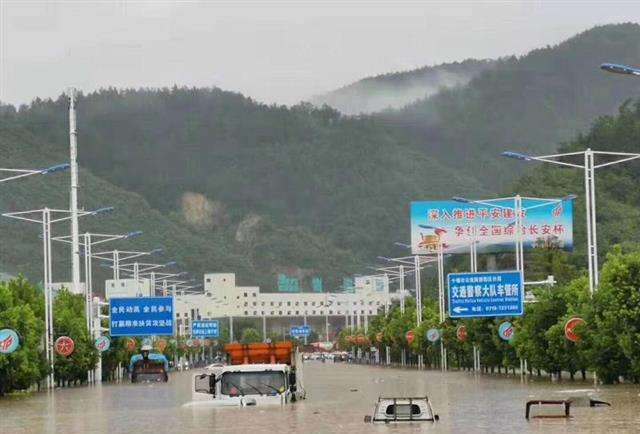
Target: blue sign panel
<point>304,330</point>
<point>288,284</point>
<point>490,225</point>
<point>316,284</point>
<point>205,328</point>
<point>499,293</point>
<point>141,316</point>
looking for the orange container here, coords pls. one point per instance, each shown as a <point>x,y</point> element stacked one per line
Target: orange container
<point>239,354</point>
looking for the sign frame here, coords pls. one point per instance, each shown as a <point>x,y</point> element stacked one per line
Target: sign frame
<point>451,308</point>
<point>213,324</point>
<point>293,331</point>
<point>157,331</point>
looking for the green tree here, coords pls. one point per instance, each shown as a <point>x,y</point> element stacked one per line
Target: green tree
<point>19,302</point>
<point>250,335</point>
<point>69,320</point>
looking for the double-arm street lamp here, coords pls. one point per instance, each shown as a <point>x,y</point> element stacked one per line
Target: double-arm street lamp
<point>585,160</point>
<point>12,174</point>
<point>46,217</point>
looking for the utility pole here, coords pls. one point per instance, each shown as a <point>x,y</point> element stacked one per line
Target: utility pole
<point>73,199</point>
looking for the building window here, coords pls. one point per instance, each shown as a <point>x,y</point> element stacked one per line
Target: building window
<point>297,312</point>
<point>362,312</point>
<point>279,303</point>
<point>305,303</point>
<point>330,312</point>
<point>313,303</point>
<point>288,312</point>
<point>245,294</point>
<point>262,304</point>
<point>254,294</point>
<point>255,313</point>
<point>297,303</point>
<point>271,313</point>
<point>279,312</point>
<point>355,303</point>
<point>370,313</point>
<point>313,311</point>
<point>288,303</point>
<point>339,312</point>
<point>272,303</point>
<point>208,279</point>
<point>238,298</point>
<point>246,313</point>
<point>246,304</point>
<point>322,303</point>
<point>338,303</point>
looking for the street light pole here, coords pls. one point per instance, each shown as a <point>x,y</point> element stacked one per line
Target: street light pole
<point>44,218</point>
<point>589,166</point>
<point>73,151</point>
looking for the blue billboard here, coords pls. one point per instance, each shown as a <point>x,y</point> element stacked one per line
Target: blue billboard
<point>288,284</point>
<point>205,328</point>
<point>303,331</point>
<point>492,226</point>
<point>316,284</point>
<point>141,316</point>
<point>495,293</point>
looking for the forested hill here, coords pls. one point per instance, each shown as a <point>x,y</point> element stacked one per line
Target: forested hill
<point>398,89</point>
<point>301,190</point>
<point>531,103</point>
<point>617,193</point>
<point>228,184</point>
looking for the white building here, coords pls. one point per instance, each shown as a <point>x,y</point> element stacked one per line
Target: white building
<point>223,299</point>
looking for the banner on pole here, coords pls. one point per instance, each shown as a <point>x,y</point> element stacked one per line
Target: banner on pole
<point>494,293</point>
<point>492,227</point>
<point>205,328</point>
<point>141,316</point>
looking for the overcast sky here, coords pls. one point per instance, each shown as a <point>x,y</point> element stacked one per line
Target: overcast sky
<point>272,51</point>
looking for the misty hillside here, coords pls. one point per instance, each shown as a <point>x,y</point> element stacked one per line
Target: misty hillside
<point>300,190</point>
<point>396,90</point>
<point>234,185</point>
<point>531,103</point>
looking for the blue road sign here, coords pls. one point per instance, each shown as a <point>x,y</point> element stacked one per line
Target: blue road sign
<point>499,293</point>
<point>141,316</point>
<point>303,330</point>
<point>205,328</point>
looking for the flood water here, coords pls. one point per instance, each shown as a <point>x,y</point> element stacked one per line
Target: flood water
<point>338,397</point>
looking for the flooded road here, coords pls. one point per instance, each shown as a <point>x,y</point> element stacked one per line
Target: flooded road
<point>338,397</point>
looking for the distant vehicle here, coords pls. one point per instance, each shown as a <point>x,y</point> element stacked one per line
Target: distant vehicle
<point>402,410</point>
<point>148,367</point>
<point>257,374</point>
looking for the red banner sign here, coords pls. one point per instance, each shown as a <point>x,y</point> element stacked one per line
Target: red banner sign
<point>569,329</point>
<point>410,337</point>
<point>461,333</point>
<point>64,346</point>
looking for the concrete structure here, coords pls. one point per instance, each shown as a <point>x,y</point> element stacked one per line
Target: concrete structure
<point>223,299</point>
<point>127,288</point>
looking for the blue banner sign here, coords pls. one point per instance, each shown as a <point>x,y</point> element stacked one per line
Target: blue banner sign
<point>288,284</point>
<point>456,225</point>
<point>499,293</point>
<point>303,330</point>
<point>348,285</point>
<point>141,316</point>
<point>205,328</point>
<point>316,284</point>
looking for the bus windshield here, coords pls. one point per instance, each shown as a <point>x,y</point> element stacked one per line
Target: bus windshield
<point>253,383</point>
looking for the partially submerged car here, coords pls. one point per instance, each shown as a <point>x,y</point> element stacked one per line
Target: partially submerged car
<point>402,410</point>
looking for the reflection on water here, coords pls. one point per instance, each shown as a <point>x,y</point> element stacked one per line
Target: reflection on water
<point>338,398</point>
